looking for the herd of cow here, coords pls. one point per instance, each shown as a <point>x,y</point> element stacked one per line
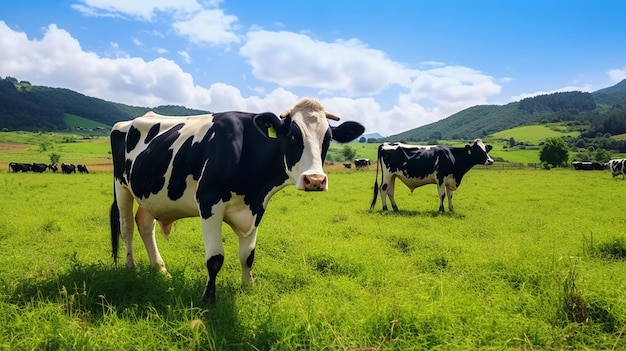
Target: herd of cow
<point>66,168</point>
<point>617,166</point>
<point>225,167</point>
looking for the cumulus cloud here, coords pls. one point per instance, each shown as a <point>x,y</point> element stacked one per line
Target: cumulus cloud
<point>350,78</point>
<point>296,60</point>
<point>617,75</point>
<point>212,27</point>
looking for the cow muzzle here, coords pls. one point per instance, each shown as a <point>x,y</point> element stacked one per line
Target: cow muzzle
<point>314,182</point>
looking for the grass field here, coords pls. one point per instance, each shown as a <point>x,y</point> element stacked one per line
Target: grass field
<point>530,260</point>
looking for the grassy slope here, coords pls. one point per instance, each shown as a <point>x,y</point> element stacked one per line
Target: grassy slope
<point>338,276</point>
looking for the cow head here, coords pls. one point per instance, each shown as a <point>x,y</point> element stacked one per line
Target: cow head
<point>306,134</point>
<point>480,152</point>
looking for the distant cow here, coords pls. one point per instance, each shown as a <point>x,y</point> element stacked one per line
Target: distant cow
<point>362,162</point>
<point>420,165</point>
<point>588,166</point>
<point>221,167</point>
<point>82,169</point>
<point>39,167</point>
<point>67,168</point>
<point>617,167</point>
<point>53,167</point>
<point>20,167</point>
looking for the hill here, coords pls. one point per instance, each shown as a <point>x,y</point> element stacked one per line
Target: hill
<point>480,121</point>
<point>27,107</point>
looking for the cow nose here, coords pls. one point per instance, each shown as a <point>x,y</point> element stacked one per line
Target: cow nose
<point>488,162</point>
<point>314,182</point>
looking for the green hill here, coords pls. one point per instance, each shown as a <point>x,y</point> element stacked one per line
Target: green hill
<point>37,108</point>
<point>480,121</point>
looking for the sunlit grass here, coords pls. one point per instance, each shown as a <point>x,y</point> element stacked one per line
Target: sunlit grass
<point>329,272</point>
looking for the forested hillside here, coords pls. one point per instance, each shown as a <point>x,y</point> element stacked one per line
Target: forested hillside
<point>598,113</point>
<point>27,107</point>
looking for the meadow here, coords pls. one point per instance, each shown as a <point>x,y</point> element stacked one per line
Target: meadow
<point>530,259</point>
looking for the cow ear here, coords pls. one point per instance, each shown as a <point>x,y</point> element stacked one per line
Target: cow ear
<point>347,131</point>
<point>488,147</point>
<point>270,125</point>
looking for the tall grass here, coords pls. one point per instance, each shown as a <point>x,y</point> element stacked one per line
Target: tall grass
<point>509,269</point>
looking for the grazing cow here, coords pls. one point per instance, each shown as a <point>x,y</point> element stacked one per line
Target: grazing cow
<point>53,167</point>
<point>20,167</point>
<point>420,165</point>
<point>221,167</point>
<point>67,168</point>
<point>617,167</point>
<point>588,166</point>
<point>39,167</point>
<point>362,162</point>
<point>82,169</point>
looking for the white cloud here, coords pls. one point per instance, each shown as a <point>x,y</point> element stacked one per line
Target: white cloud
<point>185,55</point>
<point>212,27</point>
<point>353,76</point>
<point>296,60</point>
<point>617,75</point>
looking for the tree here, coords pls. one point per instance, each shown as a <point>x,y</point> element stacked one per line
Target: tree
<point>603,156</point>
<point>554,152</point>
<point>54,157</point>
<point>349,153</point>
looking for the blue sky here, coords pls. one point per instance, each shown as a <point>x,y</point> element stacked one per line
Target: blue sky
<point>393,65</point>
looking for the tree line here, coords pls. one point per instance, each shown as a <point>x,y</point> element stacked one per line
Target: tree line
<point>27,107</point>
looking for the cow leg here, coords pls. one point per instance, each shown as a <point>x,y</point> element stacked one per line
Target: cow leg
<point>214,251</point>
<point>146,224</point>
<point>124,201</point>
<point>247,245</point>
<point>388,189</point>
<point>441,189</point>
<point>449,193</point>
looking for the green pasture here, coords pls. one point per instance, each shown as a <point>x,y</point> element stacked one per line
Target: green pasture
<point>535,133</point>
<point>530,259</point>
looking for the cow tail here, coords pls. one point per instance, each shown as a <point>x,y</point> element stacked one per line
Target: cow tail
<point>115,229</point>
<point>376,179</point>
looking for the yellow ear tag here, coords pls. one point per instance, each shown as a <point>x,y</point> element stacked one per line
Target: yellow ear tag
<point>271,132</point>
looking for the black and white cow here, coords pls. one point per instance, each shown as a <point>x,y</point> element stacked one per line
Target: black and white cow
<point>588,166</point>
<point>420,165</point>
<point>53,167</point>
<point>362,162</point>
<point>82,168</point>
<point>220,167</point>
<point>617,167</point>
<point>20,167</point>
<point>39,167</point>
<point>67,168</point>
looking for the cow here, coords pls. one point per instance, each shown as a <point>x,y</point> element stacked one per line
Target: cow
<point>39,167</point>
<point>82,169</point>
<point>588,166</point>
<point>362,162</point>
<point>53,167</point>
<point>420,165</point>
<point>617,167</point>
<point>67,168</point>
<point>221,167</point>
<point>20,167</point>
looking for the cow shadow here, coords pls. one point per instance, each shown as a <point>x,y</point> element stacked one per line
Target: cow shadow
<point>94,291</point>
<point>418,213</point>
